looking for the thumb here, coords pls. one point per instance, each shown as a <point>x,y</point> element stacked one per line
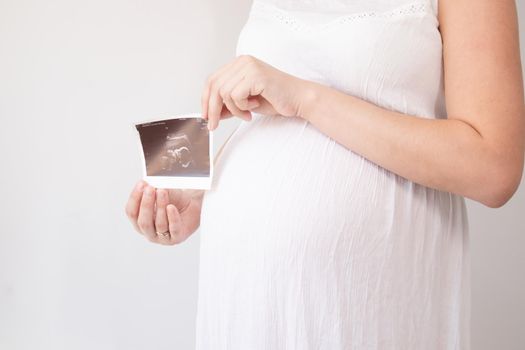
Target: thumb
<point>253,102</point>
<point>174,195</point>
<point>225,113</point>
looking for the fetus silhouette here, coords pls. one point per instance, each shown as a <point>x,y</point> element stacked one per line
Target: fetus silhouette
<point>177,153</point>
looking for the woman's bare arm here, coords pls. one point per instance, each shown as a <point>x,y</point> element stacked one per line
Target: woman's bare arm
<point>478,152</point>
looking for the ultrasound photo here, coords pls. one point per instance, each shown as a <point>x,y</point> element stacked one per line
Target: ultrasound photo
<point>177,152</point>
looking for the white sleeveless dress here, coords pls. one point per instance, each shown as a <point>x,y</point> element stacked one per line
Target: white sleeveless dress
<point>308,245</point>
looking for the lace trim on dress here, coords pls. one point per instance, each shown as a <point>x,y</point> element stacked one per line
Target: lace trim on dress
<point>287,18</point>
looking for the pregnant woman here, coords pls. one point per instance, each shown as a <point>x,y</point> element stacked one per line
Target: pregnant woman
<point>337,219</point>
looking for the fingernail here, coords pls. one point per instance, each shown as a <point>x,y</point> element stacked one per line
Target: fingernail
<point>149,190</point>
<point>139,186</point>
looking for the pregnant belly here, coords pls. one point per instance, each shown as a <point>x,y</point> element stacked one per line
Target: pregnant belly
<point>282,176</point>
<point>294,216</point>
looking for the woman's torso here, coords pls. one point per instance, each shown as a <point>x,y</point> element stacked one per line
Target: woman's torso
<point>311,245</point>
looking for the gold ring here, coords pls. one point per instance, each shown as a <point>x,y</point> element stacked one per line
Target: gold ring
<point>165,234</point>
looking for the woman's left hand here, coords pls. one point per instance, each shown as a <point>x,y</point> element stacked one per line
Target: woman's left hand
<point>248,84</point>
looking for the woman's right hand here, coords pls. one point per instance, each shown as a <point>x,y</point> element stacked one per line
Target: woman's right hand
<point>164,216</point>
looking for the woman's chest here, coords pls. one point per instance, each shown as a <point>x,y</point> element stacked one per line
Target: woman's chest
<point>376,55</point>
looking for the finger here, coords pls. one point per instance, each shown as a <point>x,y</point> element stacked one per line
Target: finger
<point>207,86</point>
<point>161,219</point>
<point>214,108</point>
<point>225,93</point>
<point>133,204</point>
<point>249,104</point>
<point>215,101</point>
<point>265,107</point>
<point>244,95</point>
<point>235,111</point>
<point>175,224</point>
<point>242,98</point>
<point>146,213</point>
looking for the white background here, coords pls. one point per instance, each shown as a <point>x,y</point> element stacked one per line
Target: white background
<point>73,273</point>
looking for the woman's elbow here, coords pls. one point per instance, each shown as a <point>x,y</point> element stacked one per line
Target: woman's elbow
<point>503,187</point>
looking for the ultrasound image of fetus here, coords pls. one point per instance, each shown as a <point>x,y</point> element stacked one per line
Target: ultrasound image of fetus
<point>176,147</point>
<point>177,153</point>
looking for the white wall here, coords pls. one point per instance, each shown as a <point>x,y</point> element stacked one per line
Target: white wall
<point>73,274</point>
<point>498,263</point>
<point>73,76</point>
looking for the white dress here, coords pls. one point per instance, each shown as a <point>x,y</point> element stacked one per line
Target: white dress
<point>308,245</point>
